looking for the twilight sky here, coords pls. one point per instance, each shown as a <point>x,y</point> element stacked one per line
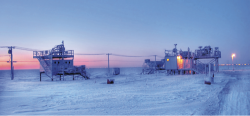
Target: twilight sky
<point>127,27</point>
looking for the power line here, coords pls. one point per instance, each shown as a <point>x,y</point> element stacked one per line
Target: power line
<point>128,55</point>
<point>27,49</point>
<point>20,61</point>
<point>21,48</point>
<point>86,61</point>
<point>92,61</point>
<point>136,56</point>
<point>4,46</point>
<point>27,61</point>
<point>159,56</point>
<point>124,61</point>
<point>88,54</point>
<point>30,49</point>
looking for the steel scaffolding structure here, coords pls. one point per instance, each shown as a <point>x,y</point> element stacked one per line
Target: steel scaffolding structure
<point>185,62</point>
<point>58,61</point>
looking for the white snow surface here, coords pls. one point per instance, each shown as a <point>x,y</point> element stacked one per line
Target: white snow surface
<point>131,94</point>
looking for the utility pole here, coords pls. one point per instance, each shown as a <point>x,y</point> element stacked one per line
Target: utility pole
<point>11,61</point>
<point>108,63</point>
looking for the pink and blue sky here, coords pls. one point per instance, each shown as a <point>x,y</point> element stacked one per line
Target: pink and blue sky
<point>129,27</point>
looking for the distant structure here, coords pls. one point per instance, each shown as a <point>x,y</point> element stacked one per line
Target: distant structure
<point>185,62</point>
<point>116,71</point>
<point>149,67</point>
<point>58,61</point>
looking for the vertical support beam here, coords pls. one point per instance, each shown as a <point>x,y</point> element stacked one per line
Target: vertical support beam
<point>184,63</point>
<point>63,61</point>
<point>50,67</point>
<point>209,69</point>
<point>155,62</point>
<point>60,77</point>
<point>206,69</point>
<point>155,65</point>
<point>40,76</point>
<point>195,62</point>
<point>217,65</point>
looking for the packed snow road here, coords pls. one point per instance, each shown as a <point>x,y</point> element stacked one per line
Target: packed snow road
<point>234,97</point>
<point>131,94</point>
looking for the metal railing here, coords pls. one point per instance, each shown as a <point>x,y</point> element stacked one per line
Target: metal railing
<point>49,52</point>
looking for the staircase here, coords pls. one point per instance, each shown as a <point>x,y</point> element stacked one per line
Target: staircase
<point>198,72</point>
<point>85,74</point>
<point>47,66</point>
<point>199,69</point>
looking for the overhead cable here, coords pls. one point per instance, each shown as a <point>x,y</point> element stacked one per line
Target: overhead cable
<point>107,60</point>
<point>92,61</point>
<point>4,46</point>
<point>127,55</point>
<point>27,49</point>
<point>89,54</point>
<point>20,61</point>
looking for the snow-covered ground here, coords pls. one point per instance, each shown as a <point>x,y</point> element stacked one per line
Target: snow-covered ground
<point>131,94</point>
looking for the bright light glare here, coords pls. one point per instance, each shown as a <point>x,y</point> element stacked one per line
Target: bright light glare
<point>233,55</point>
<point>178,57</point>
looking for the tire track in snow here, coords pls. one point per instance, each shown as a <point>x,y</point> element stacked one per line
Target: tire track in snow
<point>234,98</point>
